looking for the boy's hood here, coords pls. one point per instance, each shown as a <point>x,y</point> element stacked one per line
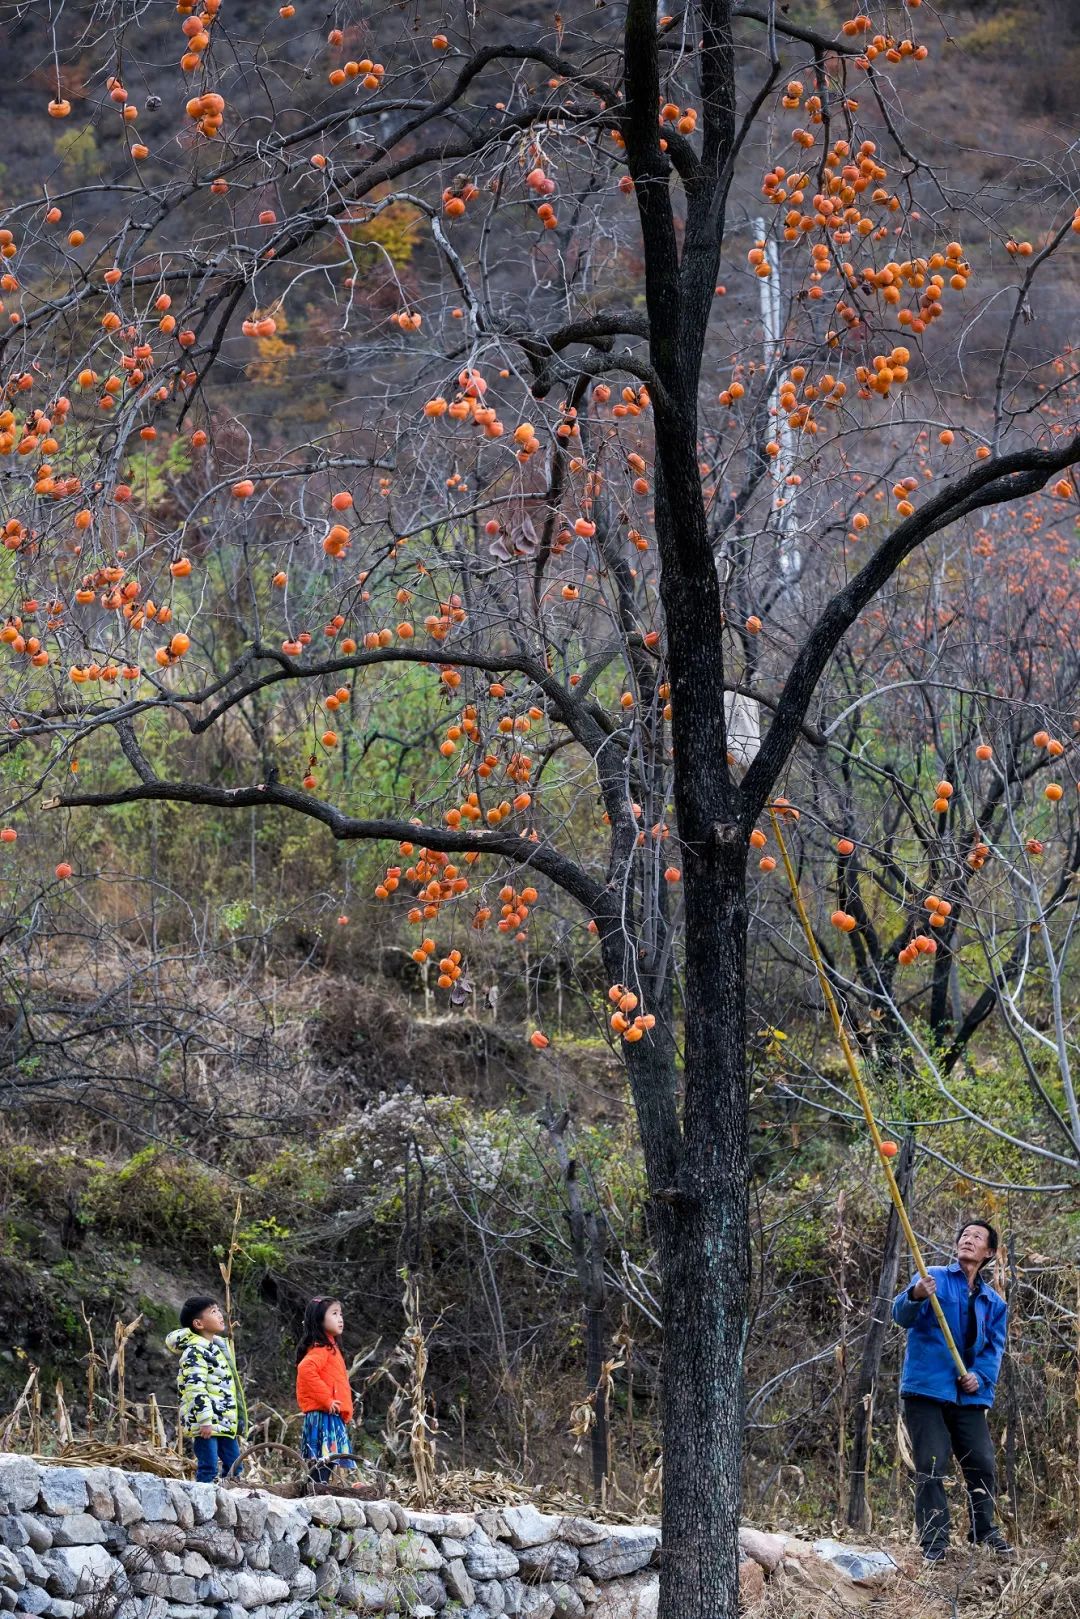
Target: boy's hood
<point>183,1337</point>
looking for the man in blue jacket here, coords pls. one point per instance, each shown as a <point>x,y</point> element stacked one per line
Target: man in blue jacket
<point>946,1414</point>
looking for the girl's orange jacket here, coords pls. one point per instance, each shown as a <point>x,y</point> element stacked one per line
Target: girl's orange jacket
<point>322,1376</point>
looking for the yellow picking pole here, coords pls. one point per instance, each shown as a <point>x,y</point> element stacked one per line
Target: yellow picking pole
<point>861,1091</point>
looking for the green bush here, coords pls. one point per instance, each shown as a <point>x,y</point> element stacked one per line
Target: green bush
<point>156,1197</point>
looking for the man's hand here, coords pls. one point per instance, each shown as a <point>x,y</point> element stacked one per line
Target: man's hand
<point>924,1288</point>
<point>969,1383</point>
<point>206,1431</point>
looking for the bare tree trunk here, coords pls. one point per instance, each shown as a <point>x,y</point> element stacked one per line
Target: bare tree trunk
<point>874,1344</point>
<point>587,1244</point>
<point>1012,1400</point>
<point>704,1252</point>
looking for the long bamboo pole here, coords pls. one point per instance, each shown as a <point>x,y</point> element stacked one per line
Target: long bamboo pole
<point>862,1093</point>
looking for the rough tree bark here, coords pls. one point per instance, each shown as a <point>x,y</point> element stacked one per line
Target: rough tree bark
<point>587,1244</point>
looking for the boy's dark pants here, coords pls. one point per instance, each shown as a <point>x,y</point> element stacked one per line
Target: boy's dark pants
<point>219,1451</point>
<point>940,1429</point>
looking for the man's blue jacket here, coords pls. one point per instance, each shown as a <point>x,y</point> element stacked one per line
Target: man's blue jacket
<point>928,1367</point>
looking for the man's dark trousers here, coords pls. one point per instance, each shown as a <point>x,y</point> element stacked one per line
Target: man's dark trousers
<point>940,1429</point>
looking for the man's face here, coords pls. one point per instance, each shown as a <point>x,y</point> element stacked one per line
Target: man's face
<point>973,1244</point>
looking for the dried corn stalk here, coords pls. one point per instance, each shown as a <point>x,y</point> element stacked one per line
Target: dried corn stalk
<point>64,1433</point>
<point>121,1334</point>
<point>423,1425</point>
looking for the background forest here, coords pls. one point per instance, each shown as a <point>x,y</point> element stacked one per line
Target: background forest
<point>220,1042</point>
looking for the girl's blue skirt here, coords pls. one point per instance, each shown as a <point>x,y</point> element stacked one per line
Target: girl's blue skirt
<point>326,1439</point>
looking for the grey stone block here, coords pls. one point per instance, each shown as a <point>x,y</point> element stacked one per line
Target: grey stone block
<point>151,1608</point>
<point>59,1608</point>
<point>33,1600</point>
<point>38,1532</point>
<point>316,1543</point>
<point>424,1591</point>
<point>99,1493</point>
<point>20,1482</point>
<point>60,1579</point>
<point>126,1504</point>
<point>325,1510</point>
<point>203,1498</point>
<point>158,1537</point>
<point>178,1588</point>
<point>513,1595</point>
<point>553,1561</point>
<point>12,1572</point>
<point>153,1496</point>
<point>285,1559</point>
<point>379,1515</point>
<point>374,1596</point>
<point>215,1544</point>
<point>536,1603</point>
<point>13,1532</point>
<point>268,1588</point>
<point>489,1596</point>
<point>78,1529</point>
<point>328,1580</point>
<point>92,1566</point>
<point>251,1511</point>
<point>417,1551</point>
<point>352,1513</point>
<point>62,1491</point>
<point>181,1504</point>
<point>225,1508</point>
<point>636,1597</point>
<point>528,1527</point>
<point>195,1564</point>
<point>485,1560</point>
<point>302,1584</point>
<point>581,1531</point>
<point>625,1549</point>
<point>31,1565</point>
<point>458,1583</point>
<point>426,1523</point>
<point>363,1555</point>
<point>568,1604</point>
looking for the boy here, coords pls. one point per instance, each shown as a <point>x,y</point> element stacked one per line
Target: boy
<point>213,1414</point>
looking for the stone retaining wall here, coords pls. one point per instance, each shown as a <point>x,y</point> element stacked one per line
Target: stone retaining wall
<point>98,1543</point>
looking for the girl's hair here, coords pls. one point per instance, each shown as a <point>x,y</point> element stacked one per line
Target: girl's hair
<point>313,1334</point>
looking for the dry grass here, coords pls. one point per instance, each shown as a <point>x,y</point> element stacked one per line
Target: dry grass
<point>1040,1585</point>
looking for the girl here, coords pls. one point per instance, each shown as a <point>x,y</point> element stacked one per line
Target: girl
<point>322,1389</point>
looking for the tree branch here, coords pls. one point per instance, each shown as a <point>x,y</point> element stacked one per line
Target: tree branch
<point>1004,478</point>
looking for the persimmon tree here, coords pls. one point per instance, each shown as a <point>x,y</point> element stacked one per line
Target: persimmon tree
<point>388,381</point>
